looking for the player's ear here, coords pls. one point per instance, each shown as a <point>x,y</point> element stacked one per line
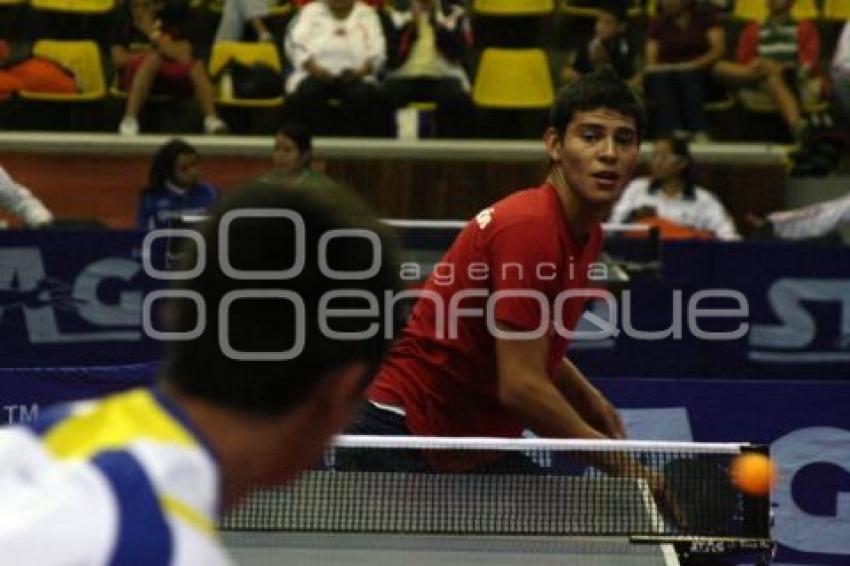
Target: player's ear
<point>553,140</point>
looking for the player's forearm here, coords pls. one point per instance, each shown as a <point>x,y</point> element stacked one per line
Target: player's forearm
<point>572,384</point>
<point>539,405</point>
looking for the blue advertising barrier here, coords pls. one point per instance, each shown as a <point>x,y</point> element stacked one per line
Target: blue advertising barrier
<point>72,299</point>
<point>70,327</point>
<point>783,310</point>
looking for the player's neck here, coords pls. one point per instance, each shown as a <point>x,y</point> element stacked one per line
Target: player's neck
<point>239,443</point>
<point>581,216</point>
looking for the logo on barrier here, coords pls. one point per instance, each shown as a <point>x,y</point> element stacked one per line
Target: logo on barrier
<point>26,287</point>
<point>792,340</point>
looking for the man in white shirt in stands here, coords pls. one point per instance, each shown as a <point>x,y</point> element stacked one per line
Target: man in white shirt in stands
<point>19,200</point>
<point>337,50</point>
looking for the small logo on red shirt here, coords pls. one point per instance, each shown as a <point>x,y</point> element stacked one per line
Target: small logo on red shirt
<point>484,217</point>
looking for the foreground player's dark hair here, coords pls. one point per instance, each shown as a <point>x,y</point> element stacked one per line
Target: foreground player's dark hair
<point>599,89</point>
<point>200,368</point>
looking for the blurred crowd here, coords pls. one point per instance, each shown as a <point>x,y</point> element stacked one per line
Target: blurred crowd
<point>347,67</point>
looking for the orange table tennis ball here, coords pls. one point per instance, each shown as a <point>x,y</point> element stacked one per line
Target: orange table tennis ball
<point>753,473</point>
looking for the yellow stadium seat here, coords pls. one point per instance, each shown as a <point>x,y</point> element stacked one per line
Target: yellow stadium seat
<point>635,9</point>
<point>513,7</point>
<point>836,10</point>
<point>513,78</point>
<point>80,57</point>
<point>12,2</point>
<point>567,9</point>
<point>247,54</point>
<point>757,100</point>
<point>75,6</point>
<point>756,10</point>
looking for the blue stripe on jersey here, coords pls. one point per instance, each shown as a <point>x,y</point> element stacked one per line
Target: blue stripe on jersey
<point>144,536</point>
<point>49,418</point>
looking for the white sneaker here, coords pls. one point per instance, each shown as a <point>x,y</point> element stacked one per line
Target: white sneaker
<point>214,125</point>
<point>129,126</point>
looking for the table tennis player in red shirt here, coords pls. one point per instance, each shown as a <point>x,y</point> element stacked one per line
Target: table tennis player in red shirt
<point>453,373</point>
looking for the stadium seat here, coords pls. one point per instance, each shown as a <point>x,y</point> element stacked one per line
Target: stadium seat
<point>635,9</point>
<point>756,10</point>
<point>836,10</point>
<point>80,57</point>
<point>513,7</point>
<point>584,11</point>
<point>513,79</point>
<point>246,53</point>
<point>74,6</point>
<point>756,100</point>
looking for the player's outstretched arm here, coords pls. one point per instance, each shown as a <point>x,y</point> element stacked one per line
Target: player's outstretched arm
<point>526,390</point>
<point>590,403</point>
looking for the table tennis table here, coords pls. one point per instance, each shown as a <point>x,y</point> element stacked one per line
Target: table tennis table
<point>357,549</point>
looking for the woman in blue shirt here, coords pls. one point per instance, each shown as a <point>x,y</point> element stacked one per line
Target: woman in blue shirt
<point>174,187</point>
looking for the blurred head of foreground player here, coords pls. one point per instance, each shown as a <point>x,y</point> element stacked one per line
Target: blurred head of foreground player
<point>271,256</point>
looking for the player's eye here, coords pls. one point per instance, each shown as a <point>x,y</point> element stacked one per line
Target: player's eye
<point>625,137</point>
<point>591,136</point>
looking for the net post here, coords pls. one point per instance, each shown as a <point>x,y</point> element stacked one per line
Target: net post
<point>756,509</point>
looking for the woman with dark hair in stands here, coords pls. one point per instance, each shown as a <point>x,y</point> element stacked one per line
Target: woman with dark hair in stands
<point>174,187</point>
<point>671,199</point>
<point>683,46</point>
<point>292,157</point>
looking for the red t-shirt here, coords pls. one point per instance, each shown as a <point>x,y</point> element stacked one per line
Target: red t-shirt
<point>676,44</point>
<point>447,384</point>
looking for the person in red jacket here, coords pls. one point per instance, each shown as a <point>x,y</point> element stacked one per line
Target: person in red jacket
<point>20,70</point>
<point>781,56</point>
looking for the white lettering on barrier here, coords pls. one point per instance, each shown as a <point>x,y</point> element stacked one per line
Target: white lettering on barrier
<point>25,284</point>
<point>798,327</point>
<point>796,528</point>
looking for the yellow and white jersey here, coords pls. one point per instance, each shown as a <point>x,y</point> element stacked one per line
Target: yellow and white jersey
<point>123,480</point>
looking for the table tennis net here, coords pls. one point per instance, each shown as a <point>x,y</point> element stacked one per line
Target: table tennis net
<point>511,487</point>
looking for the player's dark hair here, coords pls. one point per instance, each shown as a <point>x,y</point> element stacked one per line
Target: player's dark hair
<point>200,368</point>
<point>602,88</point>
<point>680,146</point>
<point>164,161</point>
<point>299,135</point>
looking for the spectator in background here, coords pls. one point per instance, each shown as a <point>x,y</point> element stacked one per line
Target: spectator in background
<point>841,72</point>
<point>236,13</point>
<point>20,70</point>
<point>151,53</point>
<point>19,200</point>
<point>684,43</point>
<point>609,46</point>
<point>337,49</point>
<point>782,56</point>
<point>430,43</point>
<point>292,157</point>
<point>814,221</point>
<point>671,199</point>
<point>174,187</point>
